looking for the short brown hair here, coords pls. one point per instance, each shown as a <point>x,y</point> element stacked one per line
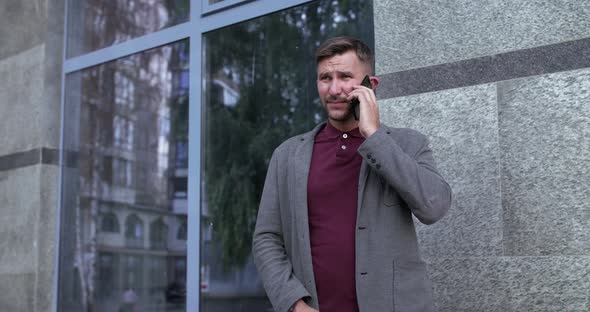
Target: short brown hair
<point>340,45</point>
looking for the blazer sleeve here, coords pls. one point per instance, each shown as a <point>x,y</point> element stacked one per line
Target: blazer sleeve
<point>270,256</point>
<point>413,175</point>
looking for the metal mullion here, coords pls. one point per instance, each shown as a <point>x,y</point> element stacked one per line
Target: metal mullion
<point>193,243</point>
<point>133,46</point>
<point>61,167</point>
<point>193,252</point>
<point>243,12</point>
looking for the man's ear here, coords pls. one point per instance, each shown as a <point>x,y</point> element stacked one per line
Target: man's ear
<point>374,82</point>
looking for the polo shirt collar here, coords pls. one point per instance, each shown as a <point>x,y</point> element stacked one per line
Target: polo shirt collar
<point>331,132</point>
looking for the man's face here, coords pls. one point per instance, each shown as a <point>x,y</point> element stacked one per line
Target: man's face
<point>336,76</point>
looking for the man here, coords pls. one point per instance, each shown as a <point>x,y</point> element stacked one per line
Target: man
<point>334,229</point>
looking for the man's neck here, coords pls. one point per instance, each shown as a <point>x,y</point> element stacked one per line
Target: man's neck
<point>344,126</point>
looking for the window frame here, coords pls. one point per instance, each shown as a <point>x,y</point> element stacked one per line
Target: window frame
<point>204,17</point>
<point>208,8</point>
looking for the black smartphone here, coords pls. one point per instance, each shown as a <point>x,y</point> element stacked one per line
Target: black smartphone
<point>354,104</point>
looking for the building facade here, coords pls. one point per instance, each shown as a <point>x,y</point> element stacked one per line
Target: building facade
<point>136,136</point>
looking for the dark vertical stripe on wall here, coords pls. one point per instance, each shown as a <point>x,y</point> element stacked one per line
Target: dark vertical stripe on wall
<point>510,65</point>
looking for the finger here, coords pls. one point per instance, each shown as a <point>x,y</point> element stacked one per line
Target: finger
<point>366,109</point>
<point>365,89</point>
<point>358,92</point>
<point>370,90</point>
<point>364,96</point>
<point>361,87</point>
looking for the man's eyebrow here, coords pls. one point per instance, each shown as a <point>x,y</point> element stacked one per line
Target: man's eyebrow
<point>345,73</point>
<point>338,72</point>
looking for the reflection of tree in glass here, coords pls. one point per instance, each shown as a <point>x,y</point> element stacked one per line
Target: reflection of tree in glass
<point>261,90</point>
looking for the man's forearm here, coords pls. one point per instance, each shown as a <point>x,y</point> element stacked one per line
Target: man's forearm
<point>414,177</point>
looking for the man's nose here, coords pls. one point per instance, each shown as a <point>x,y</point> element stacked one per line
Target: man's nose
<point>335,87</point>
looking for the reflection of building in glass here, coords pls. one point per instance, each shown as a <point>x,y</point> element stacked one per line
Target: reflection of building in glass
<point>133,174</point>
<point>98,23</point>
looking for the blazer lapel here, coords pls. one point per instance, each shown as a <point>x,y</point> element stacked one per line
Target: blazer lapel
<point>300,174</point>
<point>298,197</point>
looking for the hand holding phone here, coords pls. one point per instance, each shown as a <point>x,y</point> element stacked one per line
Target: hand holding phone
<point>354,103</point>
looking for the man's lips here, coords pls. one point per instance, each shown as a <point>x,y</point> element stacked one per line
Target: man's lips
<point>338,103</point>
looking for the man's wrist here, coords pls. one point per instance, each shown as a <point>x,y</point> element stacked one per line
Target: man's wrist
<point>292,308</point>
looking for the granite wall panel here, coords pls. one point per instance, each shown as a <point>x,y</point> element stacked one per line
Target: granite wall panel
<point>414,34</point>
<point>16,292</point>
<point>21,91</point>
<point>50,107</point>
<point>545,145</point>
<point>506,284</point>
<point>28,198</point>
<point>19,204</point>
<point>22,25</point>
<point>462,125</point>
<point>46,238</point>
<point>31,54</point>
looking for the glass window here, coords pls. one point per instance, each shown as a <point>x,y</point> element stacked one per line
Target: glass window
<point>124,91</point>
<point>109,222</point>
<point>133,285</point>
<point>122,174</point>
<point>182,231</point>
<point>176,291</point>
<point>159,234</point>
<point>134,231</point>
<point>260,88</point>
<point>107,274</point>
<point>124,121</point>
<point>96,24</point>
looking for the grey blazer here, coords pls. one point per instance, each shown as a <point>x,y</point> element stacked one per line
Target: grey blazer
<point>398,178</point>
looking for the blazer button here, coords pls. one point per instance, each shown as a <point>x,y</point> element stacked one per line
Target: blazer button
<point>369,156</point>
<point>378,166</point>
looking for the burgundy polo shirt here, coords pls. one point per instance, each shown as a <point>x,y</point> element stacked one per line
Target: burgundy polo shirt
<point>332,194</point>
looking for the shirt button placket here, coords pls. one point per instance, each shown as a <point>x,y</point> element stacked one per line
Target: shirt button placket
<point>343,146</point>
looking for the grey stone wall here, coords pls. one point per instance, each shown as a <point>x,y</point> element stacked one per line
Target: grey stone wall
<point>31,33</point>
<point>516,149</point>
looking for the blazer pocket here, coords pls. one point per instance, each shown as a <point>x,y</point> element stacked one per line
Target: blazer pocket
<point>412,290</point>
